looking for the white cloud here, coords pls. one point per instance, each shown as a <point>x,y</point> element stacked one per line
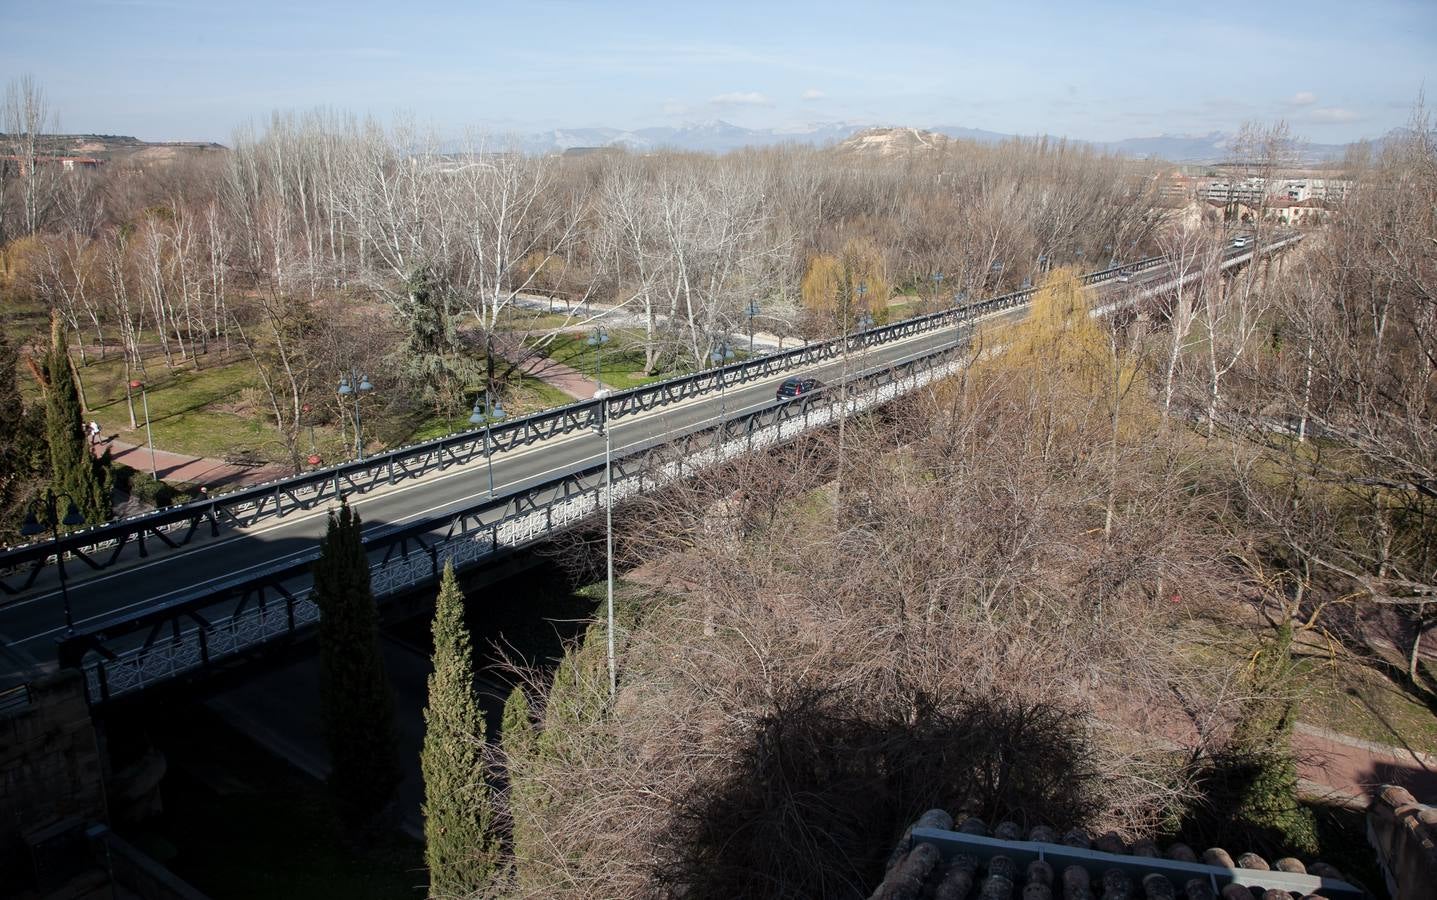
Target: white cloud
<point>740,98</point>
<point>813,94</point>
<point>1334,114</point>
<point>1303,98</point>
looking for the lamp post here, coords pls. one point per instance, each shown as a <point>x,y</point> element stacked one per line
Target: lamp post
<point>721,354</point>
<point>937,278</point>
<point>356,383</point>
<point>752,312</point>
<point>597,339</point>
<point>865,322</point>
<point>602,395</point>
<point>487,414</point>
<point>149,436</point>
<point>308,410</point>
<point>32,526</point>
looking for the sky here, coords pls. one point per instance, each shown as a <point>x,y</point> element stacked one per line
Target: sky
<point>1088,69</point>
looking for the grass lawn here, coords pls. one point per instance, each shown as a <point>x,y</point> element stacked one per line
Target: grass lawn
<point>1361,702</point>
<point>623,358</point>
<point>1344,696</point>
<point>193,412</point>
<point>525,395</point>
<point>517,318</point>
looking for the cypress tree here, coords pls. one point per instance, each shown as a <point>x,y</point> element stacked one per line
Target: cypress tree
<point>357,700</point>
<point>74,471</point>
<point>460,846</point>
<point>23,455</point>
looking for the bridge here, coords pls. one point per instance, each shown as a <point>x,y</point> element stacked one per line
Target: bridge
<point>178,591</point>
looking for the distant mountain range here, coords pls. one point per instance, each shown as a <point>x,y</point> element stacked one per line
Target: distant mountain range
<point>718,136</point>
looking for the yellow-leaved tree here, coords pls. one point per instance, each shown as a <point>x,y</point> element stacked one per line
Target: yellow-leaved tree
<point>840,289</point>
<point>1083,369</point>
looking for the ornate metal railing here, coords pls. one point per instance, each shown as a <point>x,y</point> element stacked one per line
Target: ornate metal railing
<point>104,545</point>
<point>195,632</point>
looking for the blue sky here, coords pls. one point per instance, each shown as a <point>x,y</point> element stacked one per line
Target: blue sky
<point>170,69</point>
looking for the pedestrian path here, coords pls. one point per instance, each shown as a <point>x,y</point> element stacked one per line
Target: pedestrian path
<point>197,470</point>
<point>557,375</point>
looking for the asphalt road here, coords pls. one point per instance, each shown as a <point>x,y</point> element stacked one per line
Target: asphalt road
<point>31,625</point>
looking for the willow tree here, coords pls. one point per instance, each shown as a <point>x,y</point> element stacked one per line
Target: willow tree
<point>841,288</point>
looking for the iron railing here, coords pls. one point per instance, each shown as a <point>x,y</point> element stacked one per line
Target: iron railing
<point>102,546</point>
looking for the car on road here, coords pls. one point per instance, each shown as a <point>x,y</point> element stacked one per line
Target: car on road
<point>1125,277</point>
<point>1241,241</point>
<point>797,387</point>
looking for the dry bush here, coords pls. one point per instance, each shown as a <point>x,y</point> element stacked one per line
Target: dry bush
<point>812,670</point>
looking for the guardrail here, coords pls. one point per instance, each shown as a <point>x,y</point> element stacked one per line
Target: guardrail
<point>190,633</point>
<point>101,546</point>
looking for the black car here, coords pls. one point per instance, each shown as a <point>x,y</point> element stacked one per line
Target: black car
<point>795,387</point>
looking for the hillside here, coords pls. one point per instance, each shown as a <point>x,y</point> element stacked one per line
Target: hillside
<point>893,142</point>
<point>122,148</point>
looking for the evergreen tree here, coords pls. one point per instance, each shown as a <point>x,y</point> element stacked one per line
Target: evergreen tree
<point>74,471</point>
<point>460,846</point>
<point>22,449</point>
<point>517,739</point>
<point>357,700</point>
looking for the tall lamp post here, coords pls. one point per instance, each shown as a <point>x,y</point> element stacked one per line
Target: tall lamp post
<point>32,526</point>
<point>865,322</point>
<point>602,395</point>
<point>486,414</point>
<point>752,313</point>
<point>149,436</point>
<point>597,339</point>
<point>356,383</point>
<point>721,354</point>
<point>937,278</point>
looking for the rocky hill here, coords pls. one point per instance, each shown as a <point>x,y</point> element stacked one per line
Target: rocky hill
<point>893,142</point>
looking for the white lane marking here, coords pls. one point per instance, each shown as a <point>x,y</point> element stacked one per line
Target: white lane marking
<point>314,513</point>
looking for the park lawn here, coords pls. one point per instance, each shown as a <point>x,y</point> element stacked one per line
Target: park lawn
<point>518,318</point>
<point>200,413</point>
<point>623,358</point>
<point>524,396</point>
<point>1356,700</point>
<point>1345,696</point>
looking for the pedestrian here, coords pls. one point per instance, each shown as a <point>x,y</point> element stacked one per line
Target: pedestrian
<point>94,430</point>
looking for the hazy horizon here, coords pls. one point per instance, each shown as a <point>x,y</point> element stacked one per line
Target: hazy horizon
<point>168,70</point>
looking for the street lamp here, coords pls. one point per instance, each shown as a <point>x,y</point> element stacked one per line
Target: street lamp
<point>307,410</point>
<point>602,395</point>
<point>360,385</point>
<point>149,437</point>
<point>752,312</point>
<point>32,526</point>
<point>937,285</point>
<point>597,339</point>
<point>487,414</point>
<point>865,322</point>
<point>720,354</point>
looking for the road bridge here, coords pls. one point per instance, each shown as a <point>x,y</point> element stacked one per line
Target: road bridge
<point>180,590</point>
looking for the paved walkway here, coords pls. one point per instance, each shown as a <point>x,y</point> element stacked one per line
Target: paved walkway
<point>555,374</point>
<point>1347,767</point>
<point>621,317</point>
<point>196,470</point>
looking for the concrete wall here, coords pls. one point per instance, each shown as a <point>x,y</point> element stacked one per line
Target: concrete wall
<point>1404,833</point>
<point>50,770</point>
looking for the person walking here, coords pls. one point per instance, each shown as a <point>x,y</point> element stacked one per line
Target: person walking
<point>94,429</point>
